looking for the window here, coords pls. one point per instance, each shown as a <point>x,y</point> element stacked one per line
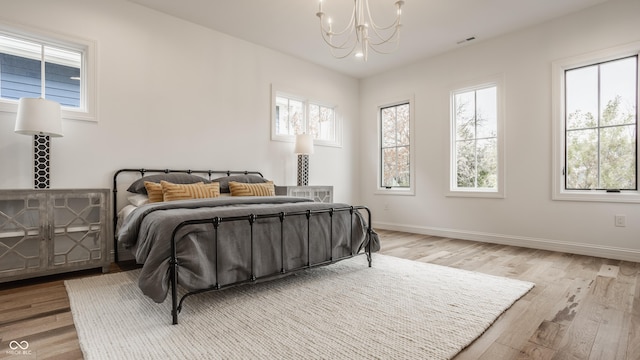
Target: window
<point>476,141</point>
<point>35,66</point>
<point>396,139</point>
<point>597,127</point>
<point>294,115</point>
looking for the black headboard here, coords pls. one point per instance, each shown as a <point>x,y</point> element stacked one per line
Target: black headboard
<point>209,174</point>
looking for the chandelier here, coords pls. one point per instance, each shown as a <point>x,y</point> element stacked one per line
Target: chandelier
<point>361,33</point>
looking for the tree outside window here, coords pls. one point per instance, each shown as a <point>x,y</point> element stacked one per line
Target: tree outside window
<point>395,146</point>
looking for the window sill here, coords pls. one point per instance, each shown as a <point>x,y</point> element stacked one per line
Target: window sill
<point>476,194</point>
<point>11,106</point>
<point>392,191</point>
<point>598,196</point>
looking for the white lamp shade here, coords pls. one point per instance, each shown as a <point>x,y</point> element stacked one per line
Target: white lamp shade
<point>304,144</point>
<point>37,116</point>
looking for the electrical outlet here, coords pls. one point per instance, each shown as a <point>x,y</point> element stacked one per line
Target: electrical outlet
<point>621,220</point>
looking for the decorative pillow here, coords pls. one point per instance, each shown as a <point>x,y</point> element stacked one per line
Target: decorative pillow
<point>172,192</point>
<point>154,190</point>
<point>247,179</point>
<point>244,189</point>
<point>137,187</point>
<point>138,200</point>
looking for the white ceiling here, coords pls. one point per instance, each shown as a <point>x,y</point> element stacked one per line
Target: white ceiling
<point>430,27</point>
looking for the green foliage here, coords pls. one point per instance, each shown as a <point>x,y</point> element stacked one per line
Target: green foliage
<point>601,157</point>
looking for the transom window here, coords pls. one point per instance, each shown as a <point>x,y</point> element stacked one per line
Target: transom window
<point>294,115</point>
<point>30,69</point>
<point>33,66</point>
<point>395,146</point>
<point>596,126</point>
<point>476,141</point>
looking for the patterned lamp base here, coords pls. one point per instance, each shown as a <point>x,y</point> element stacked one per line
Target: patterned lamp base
<point>41,147</point>
<point>303,170</point>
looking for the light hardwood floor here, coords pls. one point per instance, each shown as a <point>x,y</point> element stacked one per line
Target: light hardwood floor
<point>582,307</point>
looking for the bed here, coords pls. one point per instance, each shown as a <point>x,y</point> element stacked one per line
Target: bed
<point>204,230</point>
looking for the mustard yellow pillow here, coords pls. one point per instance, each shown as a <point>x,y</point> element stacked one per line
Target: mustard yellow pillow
<point>172,192</point>
<point>154,190</point>
<point>244,189</point>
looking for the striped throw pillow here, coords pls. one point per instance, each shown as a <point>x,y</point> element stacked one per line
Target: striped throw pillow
<point>244,189</point>
<point>172,192</point>
<point>154,190</point>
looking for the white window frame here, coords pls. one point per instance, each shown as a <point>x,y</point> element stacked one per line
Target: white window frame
<point>558,126</point>
<point>88,108</point>
<point>276,92</point>
<point>411,190</point>
<point>496,81</point>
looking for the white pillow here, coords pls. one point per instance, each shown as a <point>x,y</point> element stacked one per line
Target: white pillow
<point>138,199</point>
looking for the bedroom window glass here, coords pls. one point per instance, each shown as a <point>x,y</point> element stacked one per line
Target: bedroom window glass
<point>598,126</point>
<point>34,66</point>
<point>395,149</point>
<point>476,136</point>
<point>294,115</point>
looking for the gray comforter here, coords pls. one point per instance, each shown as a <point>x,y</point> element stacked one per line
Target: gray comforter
<point>147,232</point>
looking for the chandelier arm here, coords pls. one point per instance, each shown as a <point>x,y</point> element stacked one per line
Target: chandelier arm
<point>390,39</point>
<point>377,29</point>
<point>344,45</point>
<point>326,34</point>
<point>396,22</point>
<point>333,53</point>
<point>378,51</point>
<point>350,26</point>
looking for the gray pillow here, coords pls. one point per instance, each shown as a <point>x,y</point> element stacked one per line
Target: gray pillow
<point>247,179</point>
<point>177,178</point>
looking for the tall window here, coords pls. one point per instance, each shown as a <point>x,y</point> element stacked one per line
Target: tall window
<point>601,126</point>
<point>476,151</point>
<point>296,115</point>
<point>596,126</point>
<point>395,152</point>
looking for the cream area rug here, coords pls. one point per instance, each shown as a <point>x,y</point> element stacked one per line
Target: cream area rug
<point>397,309</point>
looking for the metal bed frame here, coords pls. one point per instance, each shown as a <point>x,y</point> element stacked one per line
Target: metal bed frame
<point>251,219</point>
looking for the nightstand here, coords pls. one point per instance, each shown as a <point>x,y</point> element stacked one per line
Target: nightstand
<point>322,193</point>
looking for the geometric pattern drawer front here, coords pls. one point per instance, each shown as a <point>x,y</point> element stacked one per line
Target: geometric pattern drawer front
<point>77,229</point>
<point>323,194</point>
<point>21,241</point>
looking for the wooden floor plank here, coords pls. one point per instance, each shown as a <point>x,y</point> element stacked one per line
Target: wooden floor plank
<point>611,339</point>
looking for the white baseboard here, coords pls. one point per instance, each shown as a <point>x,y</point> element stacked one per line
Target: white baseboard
<point>522,241</point>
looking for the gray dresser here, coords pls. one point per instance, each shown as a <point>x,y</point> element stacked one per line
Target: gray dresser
<point>51,231</point>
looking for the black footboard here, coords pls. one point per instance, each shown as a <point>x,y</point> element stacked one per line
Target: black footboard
<point>251,219</point>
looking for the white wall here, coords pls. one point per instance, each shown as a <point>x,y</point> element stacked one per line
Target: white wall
<point>527,216</point>
<point>175,95</point>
